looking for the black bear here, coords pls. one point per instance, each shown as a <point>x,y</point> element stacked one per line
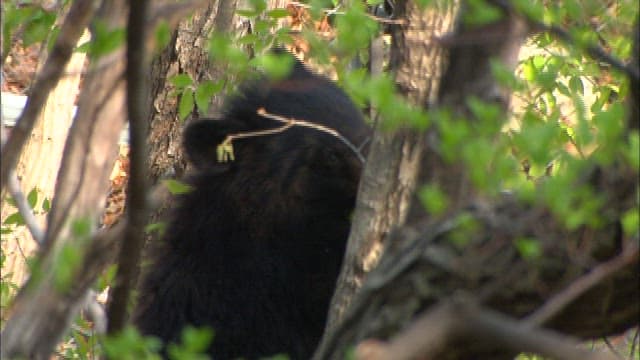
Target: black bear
<point>254,250</point>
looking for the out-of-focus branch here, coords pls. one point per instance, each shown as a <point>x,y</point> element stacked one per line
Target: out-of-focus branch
<point>76,21</point>
<point>581,285</point>
<point>133,241</point>
<point>35,324</point>
<point>454,320</point>
<point>593,50</point>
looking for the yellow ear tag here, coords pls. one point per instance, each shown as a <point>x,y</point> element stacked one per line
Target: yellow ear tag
<point>225,152</point>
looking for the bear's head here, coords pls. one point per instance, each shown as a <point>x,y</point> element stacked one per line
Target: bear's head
<point>320,156</point>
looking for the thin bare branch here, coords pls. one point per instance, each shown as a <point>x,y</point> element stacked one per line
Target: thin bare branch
<point>596,52</point>
<point>290,122</point>
<point>581,285</point>
<point>593,50</point>
<point>23,207</point>
<point>459,320</point>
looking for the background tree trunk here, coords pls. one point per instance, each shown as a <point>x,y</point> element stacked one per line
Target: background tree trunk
<point>39,164</point>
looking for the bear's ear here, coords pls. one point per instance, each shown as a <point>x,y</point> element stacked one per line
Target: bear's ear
<point>200,140</point>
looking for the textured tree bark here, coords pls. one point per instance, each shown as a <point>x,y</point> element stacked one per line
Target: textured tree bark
<point>186,54</point>
<point>389,178</point>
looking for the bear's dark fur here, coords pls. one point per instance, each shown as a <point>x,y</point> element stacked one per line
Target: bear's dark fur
<point>254,250</point>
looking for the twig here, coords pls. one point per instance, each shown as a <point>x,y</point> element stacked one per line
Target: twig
<point>133,241</point>
<point>612,348</point>
<point>325,129</point>
<point>24,209</point>
<point>594,51</point>
<point>463,319</point>
<point>91,305</point>
<point>580,286</point>
<point>225,149</point>
<point>77,19</point>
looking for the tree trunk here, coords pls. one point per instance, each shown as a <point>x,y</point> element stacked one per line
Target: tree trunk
<point>39,164</point>
<point>390,176</point>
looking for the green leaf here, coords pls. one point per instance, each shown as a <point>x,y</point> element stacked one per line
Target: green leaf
<point>423,3</point>
<point>163,35</point>
<point>5,230</point>
<point>46,205</point>
<point>106,39</point>
<point>14,219</point>
<point>158,227</point>
<point>480,12</point>
<point>248,39</point>
<point>11,201</point>
<point>529,69</point>
<point>259,5</point>
<point>32,198</point>
<point>528,248</point>
<point>263,26</point>
<point>633,150</point>
<point>39,27</point>
<point>575,84</point>
<point>355,29</point>
<point>276,66</point>
<point>247,13</point>
<point>69,261</point>
<point>181,80</point>
<point>81,343</point>
<point>197,339</point>
<point>533,9</point>
<point>563,89</point>
<point>176,187</point>
<point>278,13</point>
<point>631,222</point>
<point>81,228</point>
<point>130,345</point>
<point>107,277</point>
<point>185,107</point>
<point>205,91</point>
<point>194,343</point>
<point>433,199</point>
<point>465,229</point>
<point>52,38</point>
